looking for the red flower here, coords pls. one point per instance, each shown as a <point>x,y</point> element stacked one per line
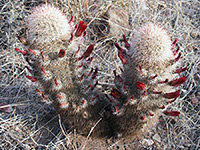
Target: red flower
<point>80,29</point>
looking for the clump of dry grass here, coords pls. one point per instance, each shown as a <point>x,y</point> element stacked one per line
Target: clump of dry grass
<point>34,125</point>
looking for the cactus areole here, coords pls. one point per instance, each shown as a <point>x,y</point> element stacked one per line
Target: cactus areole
<point>150,77</point>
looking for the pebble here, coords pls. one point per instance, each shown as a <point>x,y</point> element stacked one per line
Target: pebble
<point>157,138</point>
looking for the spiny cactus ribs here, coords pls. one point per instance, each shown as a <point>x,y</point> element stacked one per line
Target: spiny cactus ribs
<point>149,78</point>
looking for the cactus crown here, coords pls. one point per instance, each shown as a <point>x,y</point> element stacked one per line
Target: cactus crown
<point>47,24</point>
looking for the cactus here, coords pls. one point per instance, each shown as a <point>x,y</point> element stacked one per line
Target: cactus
<point>68,76</point>
<point>149,80</point>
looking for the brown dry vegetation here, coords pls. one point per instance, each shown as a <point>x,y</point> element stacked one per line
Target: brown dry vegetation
<point>32,124</point>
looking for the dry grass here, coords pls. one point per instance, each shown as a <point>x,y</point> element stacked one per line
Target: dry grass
<point>35,125</point>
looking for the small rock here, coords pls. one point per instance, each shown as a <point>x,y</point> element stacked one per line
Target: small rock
<point>147,142</point>
<point>194,100</point>
<point>157,138</point>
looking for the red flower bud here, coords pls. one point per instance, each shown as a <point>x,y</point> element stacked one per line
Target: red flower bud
<point>180,70</point>
<point>171,113</point>
<point>80,29</point>
<point>61,54</point>
<point>140,85</point>
<point>124,60</point>
<point>172,95</point>
<point>33,79</point>
<point>87,52</point>
<point>177,82</point>
<point>127,45</point>
<point>115,93</point>
<point>21,51</point>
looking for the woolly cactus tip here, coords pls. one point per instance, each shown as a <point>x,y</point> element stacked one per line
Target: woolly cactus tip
<point>47,23</point>
<point>152,41</point>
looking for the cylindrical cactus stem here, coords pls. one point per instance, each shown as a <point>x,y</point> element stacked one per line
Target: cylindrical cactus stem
<point>152,79</point>
<point>64,71</point>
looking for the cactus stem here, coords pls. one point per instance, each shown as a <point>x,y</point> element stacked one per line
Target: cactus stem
<point>95,73</point>
<point>32,51</point>
<point>127,45</point>
<point>171,113</point>
<point>165,81</point>
<point>45,74</point>
<point>140,85</point>
<point>124,60</point>
<point>55,81</point>
<point>174,43</point>
<point>21,51</point>
<point>178,82</point>
<point>179,70</point>
<point>71,21</point>
<point>22,40</point>
<point>80,29</point>
<point>61,53</point>
<point>172,95</point>
<point>43,57</point>
<point>33,79</point>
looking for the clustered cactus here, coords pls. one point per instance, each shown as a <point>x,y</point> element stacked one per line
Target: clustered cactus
<point>149,80</point>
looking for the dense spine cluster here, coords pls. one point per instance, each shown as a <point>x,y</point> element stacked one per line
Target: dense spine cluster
<point>67,75</point>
